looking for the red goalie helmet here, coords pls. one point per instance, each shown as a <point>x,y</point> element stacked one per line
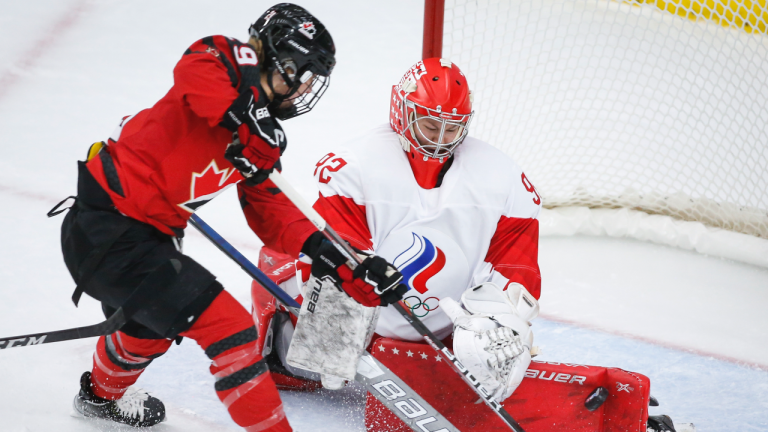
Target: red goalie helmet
<point>431,109</point>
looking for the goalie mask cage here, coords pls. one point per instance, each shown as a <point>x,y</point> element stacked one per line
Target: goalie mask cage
<point>657,108</point>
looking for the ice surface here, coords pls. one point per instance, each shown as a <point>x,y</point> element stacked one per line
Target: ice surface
<point>69,70</point>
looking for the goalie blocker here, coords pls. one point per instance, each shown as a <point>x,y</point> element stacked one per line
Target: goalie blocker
<point>552,396</point>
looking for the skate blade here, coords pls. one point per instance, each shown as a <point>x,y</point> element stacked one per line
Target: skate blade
<point>106,425</point>
<point>75,412</point>
<point>685,427</point>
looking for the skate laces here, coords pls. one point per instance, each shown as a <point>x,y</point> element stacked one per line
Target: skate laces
<point>504,346</point>
<point>132,403</point>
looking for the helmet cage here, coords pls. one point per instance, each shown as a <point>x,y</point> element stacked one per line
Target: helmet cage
<point>299,101</point>
<point>414,112</point>
<point>292,56</point>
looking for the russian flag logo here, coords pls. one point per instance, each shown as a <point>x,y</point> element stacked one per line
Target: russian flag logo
<point>420,262</point>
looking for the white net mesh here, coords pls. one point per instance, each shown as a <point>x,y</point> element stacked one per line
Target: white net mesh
<point>619,104</point>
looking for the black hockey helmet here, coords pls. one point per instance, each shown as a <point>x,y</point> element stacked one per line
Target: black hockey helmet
<point>298,46</point>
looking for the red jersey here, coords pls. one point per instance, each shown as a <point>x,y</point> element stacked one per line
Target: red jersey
<point>168,160</point>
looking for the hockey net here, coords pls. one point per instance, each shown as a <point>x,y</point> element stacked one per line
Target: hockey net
<point>658,107</point>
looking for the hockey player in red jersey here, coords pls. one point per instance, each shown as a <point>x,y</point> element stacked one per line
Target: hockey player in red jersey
<point>458,218</point>
<point>216,127</point>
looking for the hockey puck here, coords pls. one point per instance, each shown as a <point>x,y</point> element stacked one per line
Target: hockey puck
<point>596,399</point>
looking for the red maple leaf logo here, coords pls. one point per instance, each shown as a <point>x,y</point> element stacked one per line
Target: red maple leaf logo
<point>308,29</point>
<point>206,185</point>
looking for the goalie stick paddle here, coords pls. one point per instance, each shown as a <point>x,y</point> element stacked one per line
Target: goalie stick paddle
<point>381,382</point>
<point>354,260</point>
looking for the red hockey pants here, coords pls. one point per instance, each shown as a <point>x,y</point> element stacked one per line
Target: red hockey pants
<point>226,332</point>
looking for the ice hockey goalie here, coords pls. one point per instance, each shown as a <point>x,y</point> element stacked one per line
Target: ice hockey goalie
<point>458,218</point>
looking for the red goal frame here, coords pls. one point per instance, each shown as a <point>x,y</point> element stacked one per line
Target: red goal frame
<point>434,14</point>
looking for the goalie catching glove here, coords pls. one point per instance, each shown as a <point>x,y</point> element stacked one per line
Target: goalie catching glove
<point>492,337</point>
<point>258,139</point>
<point>374,282</point>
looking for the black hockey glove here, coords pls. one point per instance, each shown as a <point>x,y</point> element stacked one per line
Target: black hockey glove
<point>252,174</point>
<point>258,140</point>
<point>386,281</point>
<point>375,282</point>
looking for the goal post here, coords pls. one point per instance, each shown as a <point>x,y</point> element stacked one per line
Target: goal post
<point>434,17</point>
<point>636,118</point>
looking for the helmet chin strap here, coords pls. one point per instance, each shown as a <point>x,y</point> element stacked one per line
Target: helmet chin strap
<point>287,79</point>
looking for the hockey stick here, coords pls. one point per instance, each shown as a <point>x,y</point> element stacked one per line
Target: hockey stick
<point>381,382</point>
<point>135,302</point>
<point>414,321</point>
<point>109,326</point>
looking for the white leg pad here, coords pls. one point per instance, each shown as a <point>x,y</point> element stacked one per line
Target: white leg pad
<point>332,331</point>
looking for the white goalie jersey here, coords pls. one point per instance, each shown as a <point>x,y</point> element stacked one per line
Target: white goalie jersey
<point>478,226</point>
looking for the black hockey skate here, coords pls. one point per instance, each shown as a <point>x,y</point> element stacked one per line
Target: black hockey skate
<point>662,423</point>
<point>136,407</point>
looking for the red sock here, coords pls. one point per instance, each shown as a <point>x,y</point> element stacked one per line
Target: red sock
<point>226,332</point>
<point>119,360</point>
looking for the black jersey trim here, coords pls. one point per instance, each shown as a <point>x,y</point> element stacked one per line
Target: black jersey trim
<point>110,172</point>
<point>230,69</point>
<point>250,75</point>
<point>243,200</point>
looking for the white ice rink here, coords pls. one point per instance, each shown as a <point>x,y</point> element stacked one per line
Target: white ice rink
<point>70,69</point>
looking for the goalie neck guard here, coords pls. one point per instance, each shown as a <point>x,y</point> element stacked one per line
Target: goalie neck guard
<point>431,109</point>
<point>298,46</point>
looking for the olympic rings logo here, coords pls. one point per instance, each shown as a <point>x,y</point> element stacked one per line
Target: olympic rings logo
<point>421,308</point>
